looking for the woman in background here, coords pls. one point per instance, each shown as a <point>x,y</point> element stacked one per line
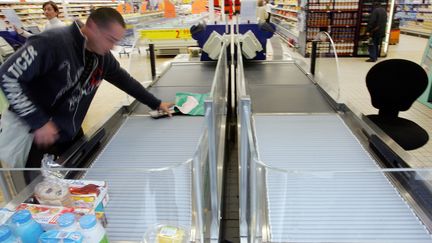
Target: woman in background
<point>51,12</point>
<point>262,13</point>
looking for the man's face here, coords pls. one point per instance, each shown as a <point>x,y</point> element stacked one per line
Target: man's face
<point>102,40</point>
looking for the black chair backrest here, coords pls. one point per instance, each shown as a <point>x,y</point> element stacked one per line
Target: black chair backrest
<point>395,84</point>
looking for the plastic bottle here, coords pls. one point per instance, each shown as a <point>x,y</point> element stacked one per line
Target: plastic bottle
<point>26,227</point>
<point>66,223</point>
<point>55,236</point>
<point>92,230</point>
<point>6,235</point>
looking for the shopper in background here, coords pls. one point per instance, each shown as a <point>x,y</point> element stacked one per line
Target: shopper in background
<point>51,81</point>
<point>376,30</point>
<point>262,14</point>
<point>51,11</point>
<point>269,8</point>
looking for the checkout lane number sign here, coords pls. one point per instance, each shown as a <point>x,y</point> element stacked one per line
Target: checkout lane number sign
<point>166,34</point>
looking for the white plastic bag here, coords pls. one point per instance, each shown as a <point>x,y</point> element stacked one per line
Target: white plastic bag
<point>15,140</point>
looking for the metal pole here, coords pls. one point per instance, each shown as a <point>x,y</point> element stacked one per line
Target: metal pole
<point>313,56</point>
<point>152,61</point>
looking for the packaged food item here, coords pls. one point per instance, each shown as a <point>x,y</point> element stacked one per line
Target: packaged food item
<point>87,194</point>
<point>26,227</point>
<point>166,233</point>
<point>92,230</point>
<point>90,194</point>
<point>52,190</point>
<point>53,193</point>
<point>61,236</point>
<point>47,216</point>
<point>67,222</point>
<point>7,236</point>
<point>170,234</point>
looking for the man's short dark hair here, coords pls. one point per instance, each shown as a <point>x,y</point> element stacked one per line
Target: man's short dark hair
<point>102,17</point>
<point>376,4</point>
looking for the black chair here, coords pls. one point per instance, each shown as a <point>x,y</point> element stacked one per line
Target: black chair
<point>394,85</point>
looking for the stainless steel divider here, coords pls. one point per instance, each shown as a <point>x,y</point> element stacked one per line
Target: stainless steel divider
<point>249,222</point>
<point>216,105</point>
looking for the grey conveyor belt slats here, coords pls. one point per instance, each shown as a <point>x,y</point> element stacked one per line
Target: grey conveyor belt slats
<point>333,207</point>
<point>139,199</point>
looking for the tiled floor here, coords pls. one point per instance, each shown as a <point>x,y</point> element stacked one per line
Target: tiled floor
<point>352,89</point>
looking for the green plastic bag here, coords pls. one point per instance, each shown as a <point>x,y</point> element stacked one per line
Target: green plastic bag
<point>190,103</point>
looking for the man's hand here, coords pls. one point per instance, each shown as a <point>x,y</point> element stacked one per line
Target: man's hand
<point>164,106</point>
<point>46,135</point>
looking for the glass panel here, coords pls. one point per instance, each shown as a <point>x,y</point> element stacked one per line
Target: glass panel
<point>327,64</point>
<point>376,205</point>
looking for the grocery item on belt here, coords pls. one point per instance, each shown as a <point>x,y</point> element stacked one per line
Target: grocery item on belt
<point>61,236</point>
<point>50,192</point>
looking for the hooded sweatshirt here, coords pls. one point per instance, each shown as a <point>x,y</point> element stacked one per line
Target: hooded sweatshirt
<point>53,77</point>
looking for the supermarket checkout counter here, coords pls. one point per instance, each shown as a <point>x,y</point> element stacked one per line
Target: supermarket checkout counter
<point>158,171</point>
<point>309,173</point>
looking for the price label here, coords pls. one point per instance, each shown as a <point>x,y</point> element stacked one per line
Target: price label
<point>167,34</point>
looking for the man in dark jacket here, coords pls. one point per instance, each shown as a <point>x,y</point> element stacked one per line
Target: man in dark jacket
<point>51,81</point>
<point>376,30</point>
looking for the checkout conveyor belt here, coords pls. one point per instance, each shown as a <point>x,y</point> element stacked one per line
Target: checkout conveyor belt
<point>308,138</point>
<point>139,200</point>
<point>282,87</point>
<point>339,207</point>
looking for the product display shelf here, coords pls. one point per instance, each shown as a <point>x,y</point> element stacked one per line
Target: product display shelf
<point>338,18</point>
<point>81,9</point>
<point>415,16</point>
<point>31,13</point>
<point>362,38</point>
<point>285,15</point>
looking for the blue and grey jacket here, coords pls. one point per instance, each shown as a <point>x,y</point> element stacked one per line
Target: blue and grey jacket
<point>41,80</point>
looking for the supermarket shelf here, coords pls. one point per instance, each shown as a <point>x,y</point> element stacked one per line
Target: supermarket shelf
<point>31,10</point>
<point>319,26</point>
<point>288,33</point>
<point>286,17</point>
<point>287,4</point>
<point>416,31</point>
<point>413,4</point>
<point>344,26</point>
<point>319,11</point>
<point>344,10</point>
<point>411,11</point>
<point>288,10</point>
